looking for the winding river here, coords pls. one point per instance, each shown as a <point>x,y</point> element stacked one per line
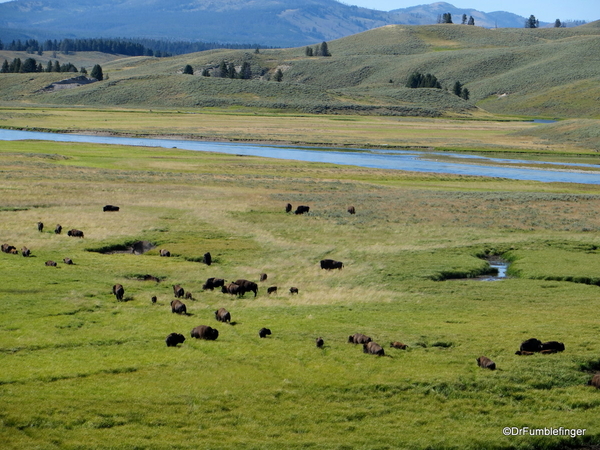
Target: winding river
<point>407,160</point>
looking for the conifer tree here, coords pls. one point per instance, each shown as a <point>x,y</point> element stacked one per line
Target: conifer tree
<point>97,72</point>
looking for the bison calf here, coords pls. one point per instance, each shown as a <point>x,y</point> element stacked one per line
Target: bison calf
<point>293,290</point>
<point>264,332</point>
<point>205,332</point>
<point>398,345</point>
<point>178,307</point>
<point>373,348</point>
<point>51,263</point>
<point>40,226</point>
<point>486,363</point>
<point>165,253</point>
<point>118,291</point>
<point>319,342</point>
<point>263,277</point>
<point>352,210</point>
<point>271,290</point>
<point>153,299</point>
<point>174,338</point>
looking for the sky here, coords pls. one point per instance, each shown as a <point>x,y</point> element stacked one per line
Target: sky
<point>543,10</point>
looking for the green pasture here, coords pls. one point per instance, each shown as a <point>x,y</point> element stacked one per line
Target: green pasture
<point>81,370</point>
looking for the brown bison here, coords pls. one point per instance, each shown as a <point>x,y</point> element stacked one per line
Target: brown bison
<point>352,210</point>
<point>319,342</point>
<point>330,264</point>
<point>51,263</point>
<point>205,332</point>
<point>247,286</point>
<point>486,363</point>
<point>174,338</point>
<point>40,226</point>
<point>288,207</point>
<point>118,291</point>
<point>373,348</point>
<point>293,290</point>
<point>150,278</point>
<point>8,248</point>
<point>398,345</point>
<point>554,346</point>
<point>271,290</point>
<point>531,345</point>
<point>153,299</point>
<point>68,261</point>
<point>75,233</point>
<point>358,338</point>
<point>188,295</point>
<point>302,210</point>
<point>110,208</point>
<point>232,289</point>
<point>264,332</point>
<point>263,277</point>
<point>212,283</point>
<point>165,253</point>
<point>178,291</point>
<point>25,251</point>
<point>58,229</point>
<point>595,381</point>
<point>222,315</point>
<point>207,259</point>
<point>178,307</point>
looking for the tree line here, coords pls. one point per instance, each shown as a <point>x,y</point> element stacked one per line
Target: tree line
<point>447,18</point>
<point>228,70</point>
<point>30,65</point>
<point>419,80</point>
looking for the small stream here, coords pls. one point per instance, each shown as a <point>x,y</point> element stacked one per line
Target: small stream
<point>500,265</point>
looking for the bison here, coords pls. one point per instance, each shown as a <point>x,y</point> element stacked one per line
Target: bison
<point>178,291</point>
<point>51,263</point>
<point>302,210</point>
<point>319,342</point>
<point>293,290</point>
<point>8,248</point>
<point>207,259</point>
<point>188,295</point>
<point>150,278</point>
<point>288,208</point>
<point>232,289</point>
<point>68,261</point>
<point>205,332</point>
<point>271,289</point>
<point>178,307</point>
<point>58,229</point>
<point>524,353</point>
<point>25,251</point>
<point>153,299</point>
<point>373,348</point>
<point>358,338</point>
<point>263,277</point>
<point>264,332</point>
<point>595,381</point>
<point>110,208</point>
<point>222,315</point>
<point>398,345</point>
<point>531,345</point>
<point>174,338</point>
<point>75,233</point>
<point>352,210</point>
<point>330,264</point>
<point>40,226</point>
<point>165,253</point>
<point>213,282</point>
<point>247,286</point>
<point>554,346</point>
<point>118,291</point>
<point>486,363</point>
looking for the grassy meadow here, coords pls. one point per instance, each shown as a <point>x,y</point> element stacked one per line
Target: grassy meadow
<point>81,370</point>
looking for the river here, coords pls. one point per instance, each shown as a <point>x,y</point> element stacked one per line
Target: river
<point>406,160</point>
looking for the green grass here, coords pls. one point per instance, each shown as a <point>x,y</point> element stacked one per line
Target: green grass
<point>81,370</point>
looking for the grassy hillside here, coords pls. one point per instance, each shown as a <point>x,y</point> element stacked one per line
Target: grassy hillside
<point>81,370</point>
<point>367,74</point>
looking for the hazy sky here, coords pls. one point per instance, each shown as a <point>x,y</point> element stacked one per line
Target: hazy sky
<point>544,10</point>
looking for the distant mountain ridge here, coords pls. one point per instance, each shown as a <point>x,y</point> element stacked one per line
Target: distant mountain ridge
<point>283,23</point>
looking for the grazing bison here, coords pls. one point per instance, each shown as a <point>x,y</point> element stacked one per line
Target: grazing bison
<point>51,263</point>
<point>524,353</point>
<point>232,289</point>
<point>486,363</point>
<point>293,290</point>
<point>398,345</point>
<point>188,296</point>
<point>222,315</point>
<point>595,381</point>
<point>302,210</point>
<point>118,291</point>
<point>531,345</point>
<point>8,248</point>
<point>212,283</point>
<point>358,338</point>
<point>288,208</point>
<point>75,233</point>
<point>40,226</point>
<point>178,307</point>
<point>319,342</point>
<point>58,229</point>
<point>330,264</point>
<point>352,210</point>
<point>264,332</point>
<point>174,338</point>
<point>110,208</point>
<point>165,253</point>
<point>554,346</point>
<point>150,278</point>
<point>373,348</point>
<point>271,290</point>
<point>178,291</point>
<point>153,299</point>
<point>207,259</point>
<point>205,332</point>
<point>25,251</point>
<point>263,277</point>
<point>247,286</point>
<point>68,261</point>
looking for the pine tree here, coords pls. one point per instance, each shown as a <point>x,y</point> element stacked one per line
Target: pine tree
<point>56,66</point>
<point>324,51</point>
<point>557,23</point>
<point>188,70</point>
<point>471,21</point>
<point>29,65</point>
<point>246,71</point>
<point>97,72</point>
<point>308,51</point>
<point>223,69</point>
<point>5,67</point>
<point>447,18</point>
<point>465,94</point>
<point>532,22</point>
<point>205,72</point>
<point>278,75</point>
<point>457,89</point>
<point>231,72</point>
<point>49,66</point>
<point>464,19</point>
